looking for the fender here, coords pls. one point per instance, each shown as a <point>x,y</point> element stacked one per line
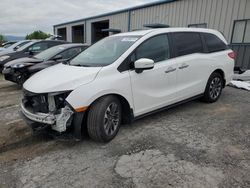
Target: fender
<point>106,83</point>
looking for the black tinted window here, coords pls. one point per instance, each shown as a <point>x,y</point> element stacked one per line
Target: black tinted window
<point>187,43</point>
<point>213,43</point>
<point>38,47</point>
<point>156,48</point>
<point>70,52</point>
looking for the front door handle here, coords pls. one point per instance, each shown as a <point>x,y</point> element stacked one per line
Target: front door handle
<point>183,66</point>
<point>170,69</point>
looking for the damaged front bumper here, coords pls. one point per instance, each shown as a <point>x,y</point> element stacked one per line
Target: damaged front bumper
<point>51,112</point>
<point>38,117</point>
<point>58,122</point>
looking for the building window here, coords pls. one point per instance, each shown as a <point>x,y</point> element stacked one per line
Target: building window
<point>241,31</point>
<point>199,25</point>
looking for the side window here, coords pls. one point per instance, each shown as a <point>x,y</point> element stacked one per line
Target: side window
<point>155,48</point>
<point>70,52</point>
<point>213,43</point>
<point>38,47</point>
<point>187,43</point>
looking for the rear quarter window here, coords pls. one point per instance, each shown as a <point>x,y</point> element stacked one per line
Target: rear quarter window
<point>187,43</point>
<point>213,43</point>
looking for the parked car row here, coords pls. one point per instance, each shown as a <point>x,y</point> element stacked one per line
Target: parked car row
<point>13,46</point>
<point>124,77</point>
<point>29,57</point>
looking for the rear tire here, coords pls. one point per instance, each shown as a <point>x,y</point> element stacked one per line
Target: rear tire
<point>104,119</point>
<point>214,88</point>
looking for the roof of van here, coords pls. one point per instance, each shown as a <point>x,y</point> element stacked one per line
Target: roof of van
<point>172,29</point>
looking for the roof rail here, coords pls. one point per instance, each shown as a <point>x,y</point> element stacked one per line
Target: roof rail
<point>156,25</point>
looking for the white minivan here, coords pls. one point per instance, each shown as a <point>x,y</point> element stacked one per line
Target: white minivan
<point>127,76</point>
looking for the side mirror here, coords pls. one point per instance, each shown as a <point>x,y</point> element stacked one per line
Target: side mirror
<point>57,57</point>
<point>16,48</point>
<point>143,64</point>
<point>29,52</point>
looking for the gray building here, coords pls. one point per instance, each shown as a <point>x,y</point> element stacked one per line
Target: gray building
<point>231,17</point>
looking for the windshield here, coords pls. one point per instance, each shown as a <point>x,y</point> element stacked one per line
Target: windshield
<point>25,46</point>
<point>49,53</point>
<point>104,52</point>
<point>18,45</point>
<point>7,45</point>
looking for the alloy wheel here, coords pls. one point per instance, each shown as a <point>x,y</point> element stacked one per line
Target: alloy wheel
<point>111,119</point>
<point>215,88</point>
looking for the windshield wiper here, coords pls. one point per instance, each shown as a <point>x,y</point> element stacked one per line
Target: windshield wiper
<point>80,65</point>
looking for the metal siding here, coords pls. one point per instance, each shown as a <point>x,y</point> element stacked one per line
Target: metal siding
<point>218,14</point>
<point>247,12</point>
<point>222,18</point>
<point>228,20</point>
<point>204,6</point>
<point>185,13</point>
<point>191,10</point>
<point>198,11</point>
<point>177,13</point>
<point>242,9</point>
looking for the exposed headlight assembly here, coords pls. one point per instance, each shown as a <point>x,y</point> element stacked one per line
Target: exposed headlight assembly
<point>63,113</point>
<point>2,58</point>
<point>59,98</point>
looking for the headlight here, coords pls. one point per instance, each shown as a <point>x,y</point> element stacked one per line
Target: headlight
<point>18,66</point>
<point>2,58</point>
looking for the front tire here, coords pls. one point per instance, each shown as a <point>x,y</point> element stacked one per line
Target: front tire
<point>104,119</point>
<point>214,88</point>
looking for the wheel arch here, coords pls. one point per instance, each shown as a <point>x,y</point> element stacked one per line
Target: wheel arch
<point>222,73</point>
<point>127,110</point>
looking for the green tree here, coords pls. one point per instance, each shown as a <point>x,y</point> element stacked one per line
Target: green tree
<point>37,35</point>
<point>2,39</point>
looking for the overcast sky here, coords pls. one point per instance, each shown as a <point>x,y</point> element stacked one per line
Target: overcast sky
<point>19,17</point>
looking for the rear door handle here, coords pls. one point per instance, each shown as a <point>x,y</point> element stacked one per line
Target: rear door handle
<point>170,69</point>
<point>183,66</point>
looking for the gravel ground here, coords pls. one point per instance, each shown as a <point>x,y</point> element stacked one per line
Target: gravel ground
<point>192,145</point>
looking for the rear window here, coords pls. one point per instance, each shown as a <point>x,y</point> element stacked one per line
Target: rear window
<point>187,43</point>
<point>214,44</point>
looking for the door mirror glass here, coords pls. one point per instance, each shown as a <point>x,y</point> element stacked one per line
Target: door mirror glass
<point>143,64</point>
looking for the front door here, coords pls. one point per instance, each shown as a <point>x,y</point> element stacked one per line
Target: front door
<point>155,88</point>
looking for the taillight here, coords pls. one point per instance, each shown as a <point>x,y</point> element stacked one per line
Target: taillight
<point>232,55</point>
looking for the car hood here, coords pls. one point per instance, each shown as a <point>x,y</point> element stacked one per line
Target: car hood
<point>6,49</point>
<point>23,60</point>
<point>6,52</point>
<point>60,77</point>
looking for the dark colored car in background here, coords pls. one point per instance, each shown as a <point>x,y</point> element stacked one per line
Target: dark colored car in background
<point>13,47</point>
<point>7,44</point>
<point>21,69</point>
<point>28,50</point>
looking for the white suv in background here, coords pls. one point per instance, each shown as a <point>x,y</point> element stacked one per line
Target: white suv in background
<point>126,76</point>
